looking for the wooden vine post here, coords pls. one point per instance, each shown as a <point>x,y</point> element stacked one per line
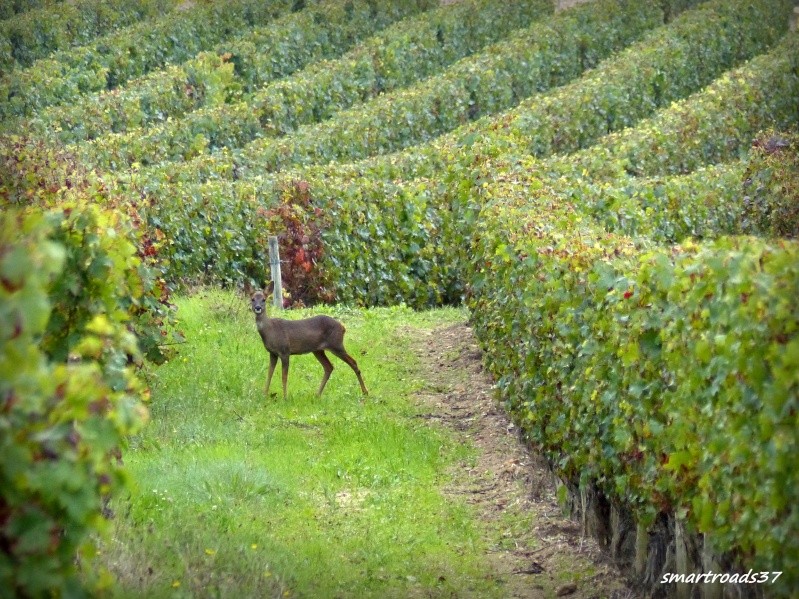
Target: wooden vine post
<point>274,262</point>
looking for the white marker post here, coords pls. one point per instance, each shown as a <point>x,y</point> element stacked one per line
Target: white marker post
<point>274,262</point>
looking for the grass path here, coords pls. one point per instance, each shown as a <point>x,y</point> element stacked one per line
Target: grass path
<point>237,495</point>
<point>530,548</point>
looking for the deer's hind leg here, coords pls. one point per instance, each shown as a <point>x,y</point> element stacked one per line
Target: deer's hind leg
<point>345,357</point>
<point>327,365</point>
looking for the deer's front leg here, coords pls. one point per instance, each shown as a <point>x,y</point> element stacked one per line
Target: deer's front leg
<point>272,364</point>
<point>284,363</point>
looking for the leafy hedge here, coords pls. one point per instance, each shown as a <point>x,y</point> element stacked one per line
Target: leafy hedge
<point>367,195</point>
<point>16,7</point>
<point>383,243</point>
<point>714,125</point>
<point>210,237</point>
<point>405,53</point>
<point>81,304</point>
<point>771,187</point>
<point>65,283</point>
<point>207,80</point>
<point>543,56</point>
<point>327,182</point>
<point>703,205</point>
<point>233,68</point>
<point>669,63</point>
<point>114,59</point>
<point>757,196</point>
<point>34,34</point>
<point>41,178</point>
<point>630,366</point>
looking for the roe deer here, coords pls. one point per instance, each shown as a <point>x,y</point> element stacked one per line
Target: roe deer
<point>284,338</point>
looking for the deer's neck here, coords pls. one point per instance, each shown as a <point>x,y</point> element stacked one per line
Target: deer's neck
<point>271,333</point>
<point>265,324</point>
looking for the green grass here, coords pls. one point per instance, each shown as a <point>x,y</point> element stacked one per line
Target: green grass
<point>237,495</point>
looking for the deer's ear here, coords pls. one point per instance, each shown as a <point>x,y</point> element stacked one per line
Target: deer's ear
<point>269,288</point>
<point>248,288</point>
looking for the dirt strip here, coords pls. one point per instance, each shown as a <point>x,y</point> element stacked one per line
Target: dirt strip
<point>533,549</point>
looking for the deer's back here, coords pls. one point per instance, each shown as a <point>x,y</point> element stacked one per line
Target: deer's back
<point>301,336</point>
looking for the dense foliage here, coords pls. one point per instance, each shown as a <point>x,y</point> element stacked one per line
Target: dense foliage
<point>636,83</point>
<point>234,67</point>
<point>630,365</point>
<point>214,228</point>
<point>756,195</point>
<point>237,200</point>
<point>41,178</point>
<point>529,61</point>
<point>405,53</point>
<point>714,125</point>
<point>111,60</point>
<point>624,233</point>
<point>36,29</point>
<point>15,7</point>
<point>69,397</point>
<point>82,305</point>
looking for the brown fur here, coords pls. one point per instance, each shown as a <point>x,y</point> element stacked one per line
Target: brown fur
<point>284,338</point>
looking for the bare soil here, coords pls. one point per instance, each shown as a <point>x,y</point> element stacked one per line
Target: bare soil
<point>534,550</point>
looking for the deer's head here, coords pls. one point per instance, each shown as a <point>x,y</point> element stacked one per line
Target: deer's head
<point>258,300</point>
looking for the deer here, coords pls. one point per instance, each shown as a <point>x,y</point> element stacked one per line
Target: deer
<point>284,338</point>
